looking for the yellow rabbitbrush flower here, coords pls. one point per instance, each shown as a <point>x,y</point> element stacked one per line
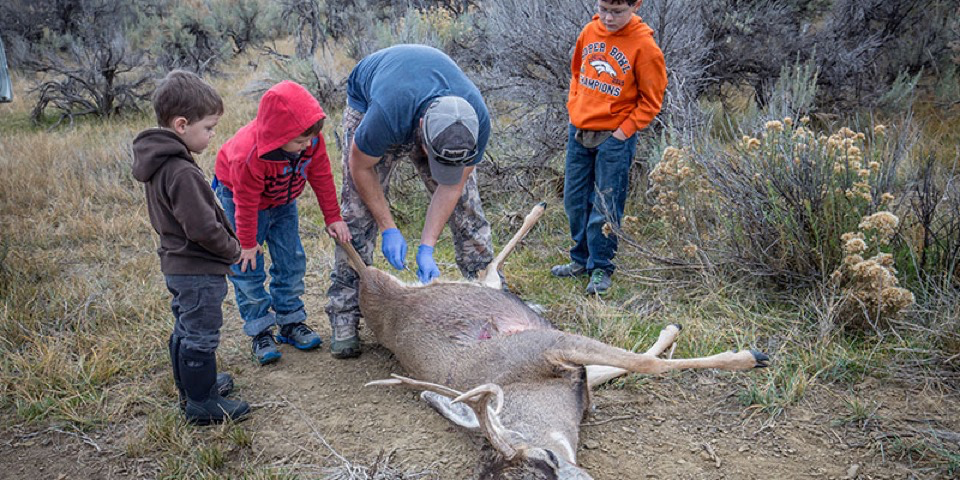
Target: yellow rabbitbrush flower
<point>869,287</point>
<point>883,223</point>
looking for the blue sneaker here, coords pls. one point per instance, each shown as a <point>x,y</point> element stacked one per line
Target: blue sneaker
<point>300,336</point>
<point>265,349</point>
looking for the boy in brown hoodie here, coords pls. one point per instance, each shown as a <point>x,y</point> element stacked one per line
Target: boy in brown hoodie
<point>197,243</point>
<point>617,87</point>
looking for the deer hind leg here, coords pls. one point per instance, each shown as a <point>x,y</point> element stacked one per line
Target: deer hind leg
<point>600,374</point>
<point>578,350</point>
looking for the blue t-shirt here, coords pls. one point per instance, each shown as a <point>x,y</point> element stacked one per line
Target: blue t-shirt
<point>394,86</point>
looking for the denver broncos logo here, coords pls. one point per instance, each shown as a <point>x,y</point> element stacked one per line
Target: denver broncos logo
<point>601,66</point>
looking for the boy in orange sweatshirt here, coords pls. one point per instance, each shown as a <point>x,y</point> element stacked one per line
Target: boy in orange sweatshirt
<point>617,87</point>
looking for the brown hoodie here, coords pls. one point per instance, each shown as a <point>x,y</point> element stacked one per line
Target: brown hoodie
<point>618,78</point>
<point>195,236</point>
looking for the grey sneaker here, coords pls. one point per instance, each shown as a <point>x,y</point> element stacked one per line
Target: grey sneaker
<point>300,336</point>
<point>572,269</point>
<point>265,348</point>
<point>599,282</point>
<point>345,341</point>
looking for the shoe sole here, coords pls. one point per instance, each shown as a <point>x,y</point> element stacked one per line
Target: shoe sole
<point>571,275</point>
<point>268,358</point>
<point>205,422</point>
<point>306,346</point>
<point>349,352</point>
<point>345,354</point>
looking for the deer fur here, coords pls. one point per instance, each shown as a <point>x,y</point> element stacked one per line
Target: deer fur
<point>527,385</point>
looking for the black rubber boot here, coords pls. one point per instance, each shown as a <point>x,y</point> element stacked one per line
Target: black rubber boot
<point>198,374</point>
<point>224,384</point>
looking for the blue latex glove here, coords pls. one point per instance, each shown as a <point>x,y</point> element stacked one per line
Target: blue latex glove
<point>394,248</point>
<point>427,269</point>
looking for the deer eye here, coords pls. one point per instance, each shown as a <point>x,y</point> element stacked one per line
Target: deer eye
<point>553,458</point>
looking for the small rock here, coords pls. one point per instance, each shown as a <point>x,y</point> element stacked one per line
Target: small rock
<point>591,444</point>
<point>852,471</point>
<point>744,448</point>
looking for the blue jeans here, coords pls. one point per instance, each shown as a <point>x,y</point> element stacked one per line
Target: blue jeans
<point>197,307</point>
<point>279,227</point>
<point>594,192</point>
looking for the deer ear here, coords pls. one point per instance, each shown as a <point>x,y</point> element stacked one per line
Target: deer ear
<point>456,413</point>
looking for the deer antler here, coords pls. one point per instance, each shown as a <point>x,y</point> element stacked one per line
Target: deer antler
<point>478,399</point>
<point>416,384</point>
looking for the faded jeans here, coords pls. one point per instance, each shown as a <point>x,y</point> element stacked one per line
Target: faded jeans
<point>594,193</point>
<point>279,227</point>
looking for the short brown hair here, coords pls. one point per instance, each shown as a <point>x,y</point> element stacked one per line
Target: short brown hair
<point>314,129</point>
<point>184,94</point>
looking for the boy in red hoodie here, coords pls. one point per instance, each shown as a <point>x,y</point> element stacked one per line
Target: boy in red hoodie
<point>617,88</point>
<point>260,172</point>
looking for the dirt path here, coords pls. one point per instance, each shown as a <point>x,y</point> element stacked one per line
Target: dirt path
<point>688,426</point>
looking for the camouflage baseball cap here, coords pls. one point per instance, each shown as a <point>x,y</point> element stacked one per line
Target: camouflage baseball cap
<point>450,128</point>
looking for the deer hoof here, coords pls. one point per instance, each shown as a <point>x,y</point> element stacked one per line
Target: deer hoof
<point>679,327</point>
<point>762,359</point>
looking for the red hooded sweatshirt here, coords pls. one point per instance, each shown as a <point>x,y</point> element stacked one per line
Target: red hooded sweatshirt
<point>285,112</point>
<point>618,78</point>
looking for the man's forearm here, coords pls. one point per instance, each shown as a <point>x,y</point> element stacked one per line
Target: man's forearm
<point>444,200</point>
<point>365,178</point>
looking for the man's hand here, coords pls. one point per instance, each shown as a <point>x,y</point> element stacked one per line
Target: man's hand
<point>248,258</point>
<point>394,248</point>
<point>339,231</point>
<point>618,134</point>
<point>427,268</point>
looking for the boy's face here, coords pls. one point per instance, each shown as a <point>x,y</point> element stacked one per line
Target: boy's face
<point>616,15</point>
<point>298,144</point>
<point>196,135</point>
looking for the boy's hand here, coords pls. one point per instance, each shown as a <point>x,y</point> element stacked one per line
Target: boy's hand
<point>339,231</point>
<point>618,134</point>
<point>248,257</point>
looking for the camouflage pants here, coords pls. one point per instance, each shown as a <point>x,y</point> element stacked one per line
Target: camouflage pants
<point>471,231</point>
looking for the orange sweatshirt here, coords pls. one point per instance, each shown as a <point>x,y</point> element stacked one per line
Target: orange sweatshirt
<point>618,78</point>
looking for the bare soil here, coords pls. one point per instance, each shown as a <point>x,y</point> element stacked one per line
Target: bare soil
<point>313,412</point>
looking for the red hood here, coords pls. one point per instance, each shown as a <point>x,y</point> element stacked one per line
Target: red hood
<point>285,111</point>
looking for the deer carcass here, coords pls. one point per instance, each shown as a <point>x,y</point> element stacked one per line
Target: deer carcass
<point>488,362</point>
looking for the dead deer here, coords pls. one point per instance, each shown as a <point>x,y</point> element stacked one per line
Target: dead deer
<point>488,362</point>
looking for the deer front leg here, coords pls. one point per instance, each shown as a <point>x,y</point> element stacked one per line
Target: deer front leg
<point>490,276</point>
